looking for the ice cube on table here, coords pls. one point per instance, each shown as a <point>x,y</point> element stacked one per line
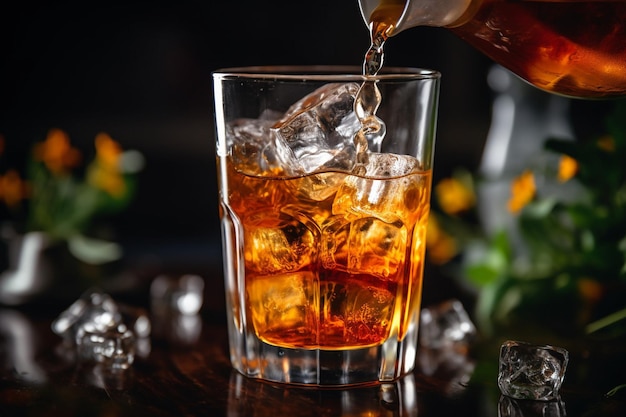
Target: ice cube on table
<point>451,365</point>
<point>136,319</point>
<point>94,307</point>
<point>446,324</point>
<point>101,310</point>
<point>176,302</point>
<point>531,372</point>
<point>65,322</point>
<point>445,333</point>
<point>177,295</point>
<point>98,329</point>
<point>114,348</point>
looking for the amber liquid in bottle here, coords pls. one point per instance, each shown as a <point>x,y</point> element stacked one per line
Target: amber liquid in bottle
<point>575,48</point>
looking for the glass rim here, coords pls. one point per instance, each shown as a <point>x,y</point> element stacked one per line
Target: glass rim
<point>323,72</point>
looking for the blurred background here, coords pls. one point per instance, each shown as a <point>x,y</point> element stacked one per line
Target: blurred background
<point>141,72</point>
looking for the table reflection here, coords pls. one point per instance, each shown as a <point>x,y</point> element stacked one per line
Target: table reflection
<point>184,370</point>
<point>250,397</point>
<point>19,335</point>
<point>509,407</point>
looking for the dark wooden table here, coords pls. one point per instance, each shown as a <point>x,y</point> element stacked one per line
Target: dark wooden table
<point>187,373</point>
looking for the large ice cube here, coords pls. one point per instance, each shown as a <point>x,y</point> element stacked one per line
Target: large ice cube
<point>283,306</point>
<point>317,187</point>
<point>363,246</point>
<point>531,372</point>
<point>318,131</point>
<point>252,150</point>
<point>355,313</point>
<point>277,242</point>
<point>402,198</point>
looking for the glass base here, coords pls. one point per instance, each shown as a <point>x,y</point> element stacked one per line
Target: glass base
<point>387,362</point>
<point>250,397</point>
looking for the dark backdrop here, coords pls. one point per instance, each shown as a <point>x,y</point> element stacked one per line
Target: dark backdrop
<point>141,72</point>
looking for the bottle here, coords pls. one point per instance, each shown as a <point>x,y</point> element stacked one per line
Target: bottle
<point>574,48</point>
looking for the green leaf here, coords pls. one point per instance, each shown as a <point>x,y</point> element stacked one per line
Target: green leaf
<point>94,251</point>
<point>494,262</point>
<point>541,208</point>
<point>481,275</point>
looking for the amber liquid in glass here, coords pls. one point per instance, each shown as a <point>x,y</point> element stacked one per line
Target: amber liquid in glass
<point>332,260</point>
<point>335,269</point>
<point>575,48</point>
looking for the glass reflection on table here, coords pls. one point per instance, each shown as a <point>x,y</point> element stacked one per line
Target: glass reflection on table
<point>251,397</point>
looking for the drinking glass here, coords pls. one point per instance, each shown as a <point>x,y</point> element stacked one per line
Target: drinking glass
<point>324,197</point>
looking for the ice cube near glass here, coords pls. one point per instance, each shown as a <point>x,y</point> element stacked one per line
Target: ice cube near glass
<point>446,324</point>
<point>531,372</point>
<point>114,347</point>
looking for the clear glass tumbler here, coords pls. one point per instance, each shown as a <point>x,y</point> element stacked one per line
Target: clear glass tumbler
<point>324,180</point>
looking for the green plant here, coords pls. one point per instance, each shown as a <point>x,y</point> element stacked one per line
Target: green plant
<point>563,267</point>
<point>60,197</point>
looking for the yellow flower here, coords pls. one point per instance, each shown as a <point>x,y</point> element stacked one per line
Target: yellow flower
<point>57,153</point>
<point>12,188</point>
<point>523,190</point>
<point>453,196</point>
<point>568,167</point>
<point>440,247</point>
<point>105,173</point>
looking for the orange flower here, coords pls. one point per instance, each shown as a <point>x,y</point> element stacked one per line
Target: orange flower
<point>591,293</point>
<point>440,247</point>
<point>453,196</point>
<point>107,150</point>
<point>105,173</point>
<point>590,289</point>
<point>606,143</point>
<point>568,167</point>
<point>12,188</point>
<point>57,153</point>
<point>523,190</point>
